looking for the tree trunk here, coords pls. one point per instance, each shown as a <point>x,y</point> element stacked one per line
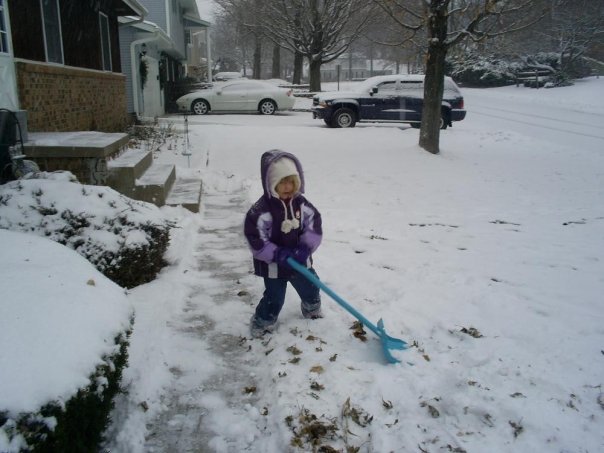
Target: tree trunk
<point>276,73</point>
<point>257,70</point>
<point>315,74</point>
<point>429,135</point>
<point>244,62</point>
<point>298,64</point>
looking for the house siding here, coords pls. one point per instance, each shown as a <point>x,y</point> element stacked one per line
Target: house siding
<point>162,13</point>
<point>177,31</point>
<point>157,12</point>
<point>61,98</point>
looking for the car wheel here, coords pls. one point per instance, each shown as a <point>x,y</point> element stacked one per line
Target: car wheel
<point>416,125</point>
<point>200,107</point>
<point>267,107</point>
<point>344,118</point>
<point>444,120</point>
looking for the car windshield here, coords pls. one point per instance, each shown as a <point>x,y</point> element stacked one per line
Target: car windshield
<point>366,85</point>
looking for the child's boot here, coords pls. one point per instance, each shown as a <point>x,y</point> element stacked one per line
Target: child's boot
<point>257,330</point>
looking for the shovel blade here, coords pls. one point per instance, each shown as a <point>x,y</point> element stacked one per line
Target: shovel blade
<point>390,343</point>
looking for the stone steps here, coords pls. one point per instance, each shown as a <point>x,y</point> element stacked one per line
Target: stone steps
<point>135,175</point>
<point>153,186</point>
<point>101,158</point>
<point>186,192</point>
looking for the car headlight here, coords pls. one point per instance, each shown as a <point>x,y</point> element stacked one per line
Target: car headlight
<point>325,103</point>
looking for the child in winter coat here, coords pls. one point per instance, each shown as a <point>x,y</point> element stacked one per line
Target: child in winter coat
<point>280,225</point>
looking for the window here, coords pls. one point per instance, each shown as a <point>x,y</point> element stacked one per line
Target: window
<point>237,87</point>
<point>52,31</point>
<point>387,86</point>
<point>3,30</point>
<point>105,42</point>
<point>412,84</point>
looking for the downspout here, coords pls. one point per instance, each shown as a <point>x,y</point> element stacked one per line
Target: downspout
<point>168,18</point>
<point>209,56</point>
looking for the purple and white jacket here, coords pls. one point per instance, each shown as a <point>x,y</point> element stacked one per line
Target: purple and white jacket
<point>263,222</point>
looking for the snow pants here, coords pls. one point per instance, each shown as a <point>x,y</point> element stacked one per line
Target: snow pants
<point>272,301</point>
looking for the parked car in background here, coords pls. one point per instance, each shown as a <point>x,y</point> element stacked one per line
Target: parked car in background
<point>391,98</point>
<point>239,95</point>
<point>222,76</point>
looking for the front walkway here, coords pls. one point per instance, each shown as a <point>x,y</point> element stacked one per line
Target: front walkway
<point>196,411</point>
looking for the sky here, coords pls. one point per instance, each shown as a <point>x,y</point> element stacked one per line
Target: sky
<point>486,259</point>
<point>206,9</point>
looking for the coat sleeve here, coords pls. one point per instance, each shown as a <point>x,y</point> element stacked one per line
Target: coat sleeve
<point>312,230</point>
<point>257,230</point>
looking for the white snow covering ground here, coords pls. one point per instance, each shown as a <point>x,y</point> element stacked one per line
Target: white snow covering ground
<point>487,259</point>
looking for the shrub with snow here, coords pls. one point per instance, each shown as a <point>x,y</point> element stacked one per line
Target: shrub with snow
<point>475,70</point>
<point>64,331</point>
<point>124,239</point>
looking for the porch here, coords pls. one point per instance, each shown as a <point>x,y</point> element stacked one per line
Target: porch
<point>100,158</point>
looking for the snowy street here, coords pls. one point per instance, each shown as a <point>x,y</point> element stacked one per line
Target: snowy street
<point>486,258</point>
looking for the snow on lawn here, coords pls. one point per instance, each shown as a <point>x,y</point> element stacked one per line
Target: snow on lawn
<point>486,258</point>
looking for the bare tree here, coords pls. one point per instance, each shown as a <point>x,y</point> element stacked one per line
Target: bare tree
<point>576,25</point>
<point>246,15</point>
<point>320,30</point>
<point>475,20</point>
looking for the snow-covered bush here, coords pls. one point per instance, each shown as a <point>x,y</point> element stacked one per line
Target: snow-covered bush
<point>64,331</point>
<point>475,70</point>
<point>76,425</point>
<point>472,69</point>
<point>125,239</point>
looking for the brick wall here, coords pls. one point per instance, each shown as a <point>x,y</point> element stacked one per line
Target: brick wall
<point>62,98</point>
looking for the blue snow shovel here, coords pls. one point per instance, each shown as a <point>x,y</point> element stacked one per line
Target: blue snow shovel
<point>388,342</point>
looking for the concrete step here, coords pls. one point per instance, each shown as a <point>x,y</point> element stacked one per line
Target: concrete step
<point>154,184</point>
<point>133,161</point>
<point>125,169</point>
<point>186,192</point>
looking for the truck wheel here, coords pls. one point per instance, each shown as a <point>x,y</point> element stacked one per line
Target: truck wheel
<point>344,118</point>
<point>445,119</point>
<point>443,123</point>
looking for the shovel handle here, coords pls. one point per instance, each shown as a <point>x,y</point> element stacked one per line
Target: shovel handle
<point>318,283</point>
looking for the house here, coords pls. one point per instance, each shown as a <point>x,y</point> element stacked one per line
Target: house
<point>63,75</point>
<point>56,56</point>
<point>155,53</point>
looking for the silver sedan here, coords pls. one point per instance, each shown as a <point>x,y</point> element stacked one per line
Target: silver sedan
<point>240,95</point>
